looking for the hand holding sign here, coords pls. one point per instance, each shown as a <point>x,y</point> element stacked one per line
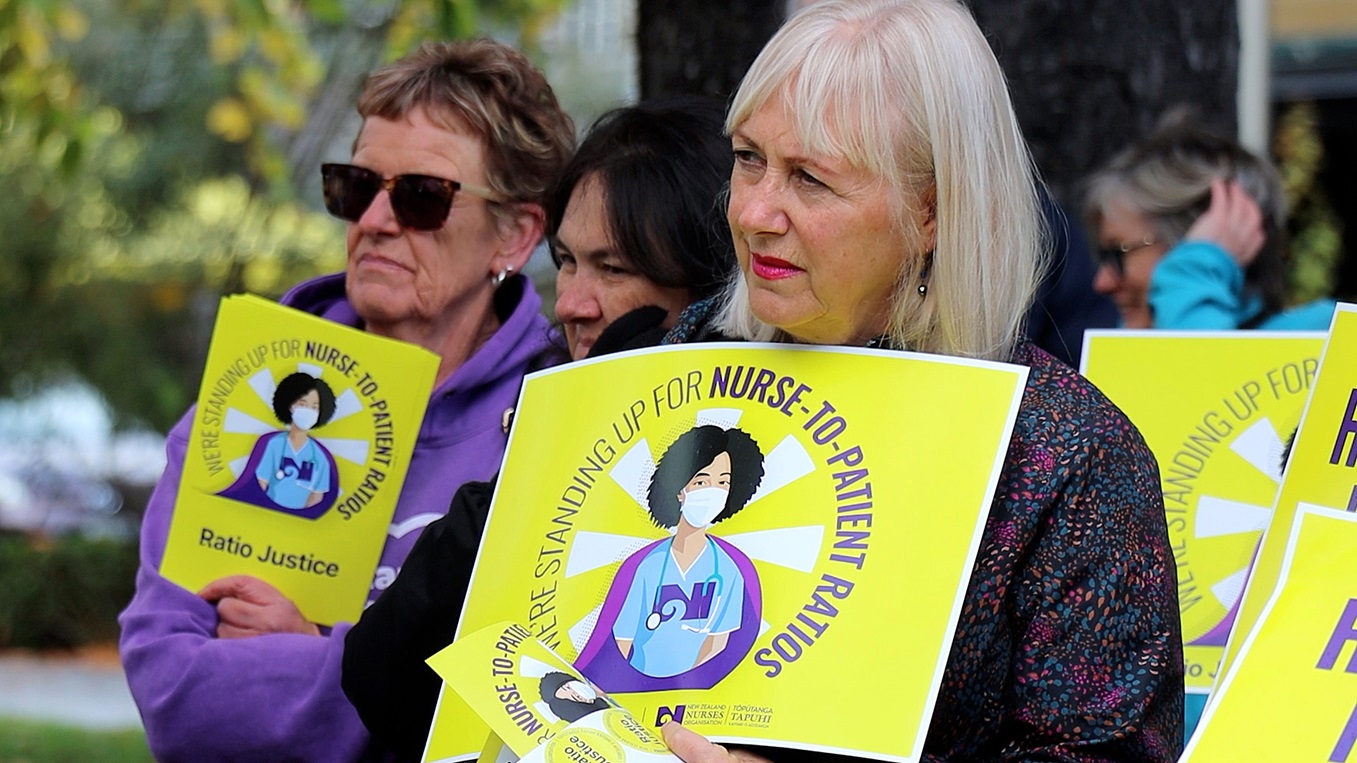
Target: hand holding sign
<point>247,606</point>
<point>692,747</point>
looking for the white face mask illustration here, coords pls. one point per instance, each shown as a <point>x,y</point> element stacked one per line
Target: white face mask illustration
<point>701,506</point>
<point>304,418</point>
<point>582,692</point>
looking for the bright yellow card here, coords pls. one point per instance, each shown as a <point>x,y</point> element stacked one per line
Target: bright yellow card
<point>1216,409</point>
<point>1291,693</point>
<point>611,736</point>
<point>1322,469</point>
<point>525,692</point>
<point>301,439</point>
<point>719,534</point>
<point>539,706</point>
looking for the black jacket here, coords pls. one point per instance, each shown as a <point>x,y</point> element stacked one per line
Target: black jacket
<point>384,674</point>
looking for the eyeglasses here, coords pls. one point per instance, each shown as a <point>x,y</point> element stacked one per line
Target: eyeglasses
<point>420,202</point>
<point>1115,256</point>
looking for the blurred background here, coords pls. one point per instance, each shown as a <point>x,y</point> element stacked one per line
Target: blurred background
<point>158,154</point>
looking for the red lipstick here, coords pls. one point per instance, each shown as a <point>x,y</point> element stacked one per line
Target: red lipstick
<point>772,268</point>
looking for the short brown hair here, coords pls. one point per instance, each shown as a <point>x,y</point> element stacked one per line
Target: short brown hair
<point>497,92</point>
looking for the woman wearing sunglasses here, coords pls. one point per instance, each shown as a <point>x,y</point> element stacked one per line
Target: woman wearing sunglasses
<point>638,231</point>
<point>444,198</point>
<point>1191,235</point>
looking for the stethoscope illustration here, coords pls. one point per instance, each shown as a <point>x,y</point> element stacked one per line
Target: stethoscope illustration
<point>656,615</point>
<point>297,463</point>
<point>283,474</point>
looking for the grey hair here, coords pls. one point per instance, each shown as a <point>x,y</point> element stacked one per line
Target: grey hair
<point>910,91</point>
<point>1167,178</point>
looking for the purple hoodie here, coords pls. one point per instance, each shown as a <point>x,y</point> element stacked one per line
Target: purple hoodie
<point>277,697</point>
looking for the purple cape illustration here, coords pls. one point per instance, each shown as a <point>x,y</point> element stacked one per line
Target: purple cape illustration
<point>246,487</point>
<point>602,662</point>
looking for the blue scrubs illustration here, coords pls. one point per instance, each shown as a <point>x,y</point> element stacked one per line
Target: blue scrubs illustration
<point>688,593</point>
<point>294,470</point>
<point>294,478</point>
<point>678,618</point>
<point>291,471</point>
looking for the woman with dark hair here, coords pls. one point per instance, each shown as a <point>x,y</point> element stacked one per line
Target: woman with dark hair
<point>636,226</point>
<point>294,470</point>
<point>707,475</point>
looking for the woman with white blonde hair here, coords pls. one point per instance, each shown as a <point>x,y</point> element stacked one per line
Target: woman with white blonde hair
<point>883,196</point>
<point>953,170</point>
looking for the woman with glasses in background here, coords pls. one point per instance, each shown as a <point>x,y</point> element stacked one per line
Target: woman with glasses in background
<point>1191,235</point>
<point>444,198</point>
<point>1190,228</point>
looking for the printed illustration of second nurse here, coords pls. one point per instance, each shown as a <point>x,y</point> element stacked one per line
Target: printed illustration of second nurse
<point>688,593</point>
<point>569,697</point>
<point>294,470</point>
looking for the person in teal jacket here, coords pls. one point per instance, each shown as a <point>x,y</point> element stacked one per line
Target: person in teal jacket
<point>1190,227</point>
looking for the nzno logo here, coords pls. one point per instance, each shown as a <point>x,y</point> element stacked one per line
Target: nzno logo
<point>667,714</point>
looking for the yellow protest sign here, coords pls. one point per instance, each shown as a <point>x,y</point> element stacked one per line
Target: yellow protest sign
<point>717,534</point>
<point>1304,645</point>
<point>300,442</point>
<point>537,704</point>
<point>1322,469</point>
<point>1216,409</point>
<point>523,690</point>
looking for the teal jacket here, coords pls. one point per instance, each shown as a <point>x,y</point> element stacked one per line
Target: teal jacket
<point>1198,285</point>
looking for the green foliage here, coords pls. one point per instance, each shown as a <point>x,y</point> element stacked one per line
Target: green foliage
<point>270,60</point>
<point>161,153</point>
<point>37,89</point>
<point>30,742</point>
<point>123,297</point>
<point>1315,246</point>
<point>65,593</point>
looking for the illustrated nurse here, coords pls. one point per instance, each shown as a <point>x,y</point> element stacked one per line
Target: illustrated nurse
<point>294,470</point>
<point>571,698</point>
<point>687,595</point>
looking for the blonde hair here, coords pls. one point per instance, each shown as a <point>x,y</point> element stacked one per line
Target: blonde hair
<point>496,92</point>
<point>910,91</point>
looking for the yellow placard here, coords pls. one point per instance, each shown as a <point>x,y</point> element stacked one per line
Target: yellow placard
<point>1301,649</point>
<point>1322,469</point>
<point>612,736</point>
<point>1216,410</point>
<point>539,706</point>
<point>842,479</point>
<point>525,692</point>
<point>304,508</point>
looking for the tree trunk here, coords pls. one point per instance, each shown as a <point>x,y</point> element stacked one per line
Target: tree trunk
<point>1090,76</point>
<point>701,47</point>
<point>1087,76</point>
